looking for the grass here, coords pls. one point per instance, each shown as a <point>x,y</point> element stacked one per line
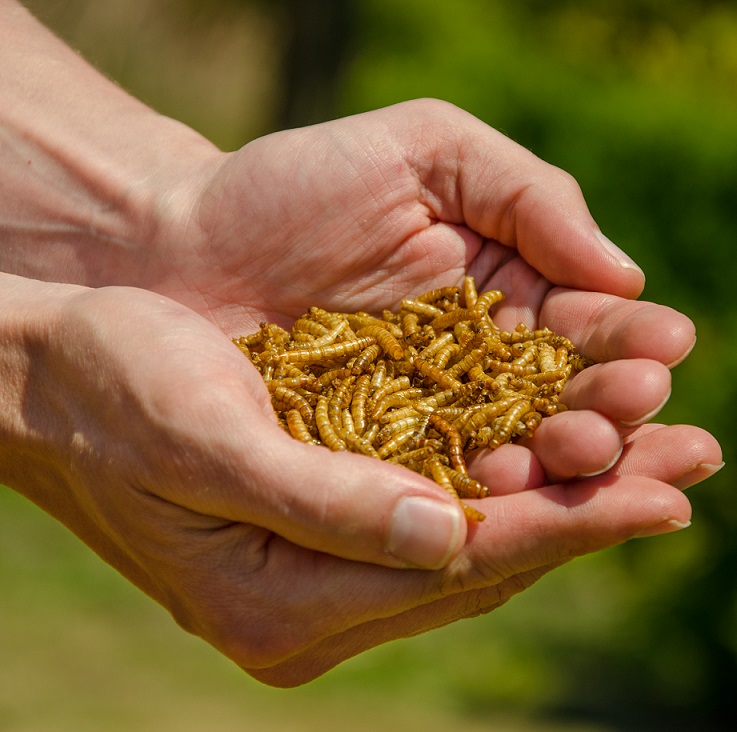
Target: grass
<point>83,650</point>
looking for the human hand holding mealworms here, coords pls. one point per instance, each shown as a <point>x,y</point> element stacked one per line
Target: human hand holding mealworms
<point>136,422</point>
<point>400,200</point>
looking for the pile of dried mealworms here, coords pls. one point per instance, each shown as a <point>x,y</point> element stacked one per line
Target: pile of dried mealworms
<point>421,387</point>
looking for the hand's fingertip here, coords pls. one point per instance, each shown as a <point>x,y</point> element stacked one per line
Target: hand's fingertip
<point>668,509</point>
<point>697,475</point>
<point>664,527</point>
<point>575,444</point>
<point>625,262</point>
<point>679,358</point>
<point>611,462</point>
<point>425,532</point>
<point>647,416</point>
<point>510,468</point>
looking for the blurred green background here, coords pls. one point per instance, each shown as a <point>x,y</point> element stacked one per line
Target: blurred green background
<point>637,99</point>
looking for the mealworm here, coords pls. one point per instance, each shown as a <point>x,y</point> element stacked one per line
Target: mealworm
<point>328,435</point>
<point>328,352</point>
<point>358,402</point>
<point>298,429</point>
<point>366,358</point>
<point>470,295</point>
<point>421,308</point>
<point>441,293</point>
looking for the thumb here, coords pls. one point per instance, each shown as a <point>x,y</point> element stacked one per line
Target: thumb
<point>540,210</point>
<point>478,176</point>
<point>347,504</point>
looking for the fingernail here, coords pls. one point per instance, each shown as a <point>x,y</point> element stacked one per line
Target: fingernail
<point>645,417</point>
<point>699,473</point>
<point>424,532</point>
<point>664,527</point>
<point>683,357</point>
<point>623,259</point>
<point>604,468</point>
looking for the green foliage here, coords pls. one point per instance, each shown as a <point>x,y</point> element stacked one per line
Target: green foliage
<point>636,100</point>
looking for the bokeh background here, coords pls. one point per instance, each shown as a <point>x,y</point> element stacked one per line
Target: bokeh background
<point>637,99</point>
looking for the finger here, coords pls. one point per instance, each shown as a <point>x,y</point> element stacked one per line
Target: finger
<point>508,469</point>
<point>628,392</point>
<point>681,455</point>
<point>576,444</point>
<point>607,328</point>
<point>476,175</point>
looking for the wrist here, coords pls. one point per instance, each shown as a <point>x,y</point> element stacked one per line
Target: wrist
<point>94,182</point>
<point>30,419</point>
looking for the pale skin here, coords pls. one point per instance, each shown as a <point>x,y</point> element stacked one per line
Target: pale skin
<point>133,250</point>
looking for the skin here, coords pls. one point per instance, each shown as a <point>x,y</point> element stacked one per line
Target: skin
<point>133,250</point>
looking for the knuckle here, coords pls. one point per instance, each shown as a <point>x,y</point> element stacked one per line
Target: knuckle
<point>565,182</point>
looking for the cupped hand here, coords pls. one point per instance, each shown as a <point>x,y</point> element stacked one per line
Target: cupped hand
<point>134,420</point>
<point>357,213</point>
<point>167,461</point>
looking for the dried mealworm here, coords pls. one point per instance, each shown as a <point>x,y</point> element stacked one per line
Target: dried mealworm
<point>328,352</point>
<point>503,430</point>
<point>452,317</point>
<point>441,293</point>
<point>356,443</point>
<point>421,308</point>
<point>298,428</point>
<point>328,434</point>
<point>441,377</point>
<point>389,387</point>
<point>395,443</point>
<point>293,400</point>
<point>453,441</point>
<point>389,344</point>
<point>470,294</point>
<point>402,398</point>
<point>400,425</point>
<point>358,402</point>
<point>366,358</point>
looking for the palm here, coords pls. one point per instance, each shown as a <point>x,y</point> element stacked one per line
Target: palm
<point>351,215</point>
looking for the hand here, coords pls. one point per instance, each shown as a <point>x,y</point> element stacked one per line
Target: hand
<point>357,213</point>
<point>161,452</point>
